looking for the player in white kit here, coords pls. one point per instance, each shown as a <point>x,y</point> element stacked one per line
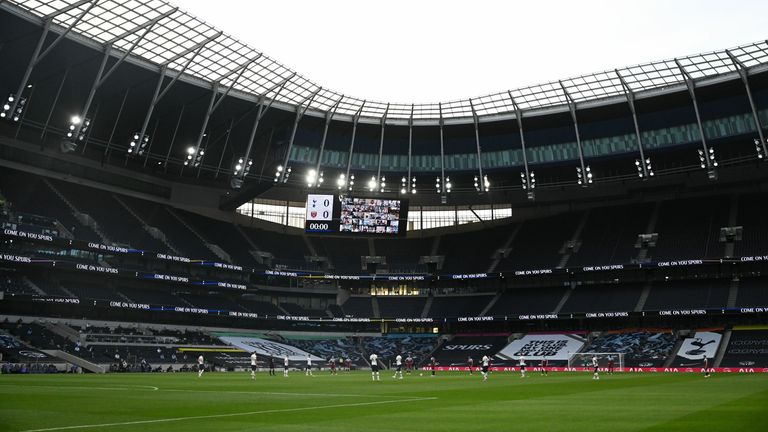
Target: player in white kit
<point>309,365</point>
<point>522,367</point>
<point>200,366</point>
<point>285,366</point>
<point>398,367</point>
<point>374,367</point>
<point>486,361</point>
<point>595,367</point>
<point>254,365</point>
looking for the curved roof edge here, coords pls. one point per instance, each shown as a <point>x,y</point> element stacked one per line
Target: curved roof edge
<point>179,41</point>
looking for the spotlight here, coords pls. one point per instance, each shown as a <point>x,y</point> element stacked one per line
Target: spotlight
<point>760,149</point>
<point>437,184</point>
<point>448,185</point>
<point>194,157</point>
<point>242,168</point>
<point>14,116</point>
<point>351,181</point>
<point>486,183</point>
<point>138,144</point>
<point>413,185</point>
<point>372,184</point>
<point>341,181</point>
<point>584,178</point>
<point>648,169</point>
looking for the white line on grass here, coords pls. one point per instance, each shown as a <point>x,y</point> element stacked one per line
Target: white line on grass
<point>241,414</point>
<point>65,387</point>
<point>292,394</point>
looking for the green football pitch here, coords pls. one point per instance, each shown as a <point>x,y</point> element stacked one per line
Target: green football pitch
<point>351,402</point>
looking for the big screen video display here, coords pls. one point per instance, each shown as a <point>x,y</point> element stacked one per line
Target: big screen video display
<point>386,217</point>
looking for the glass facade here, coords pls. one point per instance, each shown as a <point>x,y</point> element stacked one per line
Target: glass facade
<point>293,213</point>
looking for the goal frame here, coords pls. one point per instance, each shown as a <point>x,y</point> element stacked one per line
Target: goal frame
<point>602,360</point>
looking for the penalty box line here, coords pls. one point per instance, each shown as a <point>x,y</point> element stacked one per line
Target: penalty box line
<point>240,414</point>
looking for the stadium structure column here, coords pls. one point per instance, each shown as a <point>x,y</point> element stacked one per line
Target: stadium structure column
<point>355,120</point>
<point>301,108</point>
<point>631,102</point>
<point>381,143</point>
<point>101,76</point>
<point>443,186</point>
<point>691,85</point>
<point>160,92</point>
<point>224,150</point>
<point>572,109</point>
<point>744,74</point>
<point>114,125</point>
<point>277,88</point>
<point>37,56</point>
<point>481,179</point>
<point>53,107</point>
<point>410,149</point>
<point>531,193</point>
<point>328,116</point>
<point>214,103</point>
<point>173,138</point>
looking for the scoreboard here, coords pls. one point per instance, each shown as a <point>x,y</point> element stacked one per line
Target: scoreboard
<point>322,214</point>
<point>355,216</point>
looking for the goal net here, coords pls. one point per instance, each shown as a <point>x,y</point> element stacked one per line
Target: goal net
<point>604,360</point>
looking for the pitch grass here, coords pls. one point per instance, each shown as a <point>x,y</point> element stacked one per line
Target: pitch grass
<point>351,402</point>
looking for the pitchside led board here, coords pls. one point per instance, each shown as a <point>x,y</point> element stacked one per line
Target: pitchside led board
<point>355,216</point>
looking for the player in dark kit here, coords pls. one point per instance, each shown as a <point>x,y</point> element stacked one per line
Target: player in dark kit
<point>471,364</point>
<point>544,364</point>
<point>610,365</point>
<point>332,363</point>
<point>433,365</point>
<point>408,364</point>
<point>706,366</point>
<point>271,366</point>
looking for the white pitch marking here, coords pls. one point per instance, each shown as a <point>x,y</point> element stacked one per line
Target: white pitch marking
<point>138,387</point>
<point>290,394</point>
<point>175,419</point>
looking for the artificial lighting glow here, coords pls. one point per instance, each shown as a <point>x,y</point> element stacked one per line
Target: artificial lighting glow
<point>75,120</point>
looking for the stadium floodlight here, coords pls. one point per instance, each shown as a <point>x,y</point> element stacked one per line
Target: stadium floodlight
<point>437,184</point>
<point>138,146</point>
<point>759,148</point>
<point>74,123</point>
<point>351,182</point>
<point>648,168</point>
<point>413,185</point>
<point>278,171</point>
<point>314,179</point>
<point>341,181</point>
<point>584,178</point>
<point>708,161</point>
<point>15,116</point>
<point>194,156</point>
<point>242,167</point>
<point>372,184</point>
<point>485,186</point>
<point>448,185</point>
<point>528,181</point>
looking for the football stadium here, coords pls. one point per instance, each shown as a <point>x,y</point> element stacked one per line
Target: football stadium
<point>197,237</point>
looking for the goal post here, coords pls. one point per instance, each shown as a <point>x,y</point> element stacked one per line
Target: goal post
<point>584,359</point>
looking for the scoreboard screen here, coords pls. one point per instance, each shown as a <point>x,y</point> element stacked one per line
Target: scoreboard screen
<point>356,215</point>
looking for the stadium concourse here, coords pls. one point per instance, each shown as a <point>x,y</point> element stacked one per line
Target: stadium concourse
<point>173,201</point>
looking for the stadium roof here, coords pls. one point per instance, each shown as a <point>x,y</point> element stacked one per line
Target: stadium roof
<point>175,38</point>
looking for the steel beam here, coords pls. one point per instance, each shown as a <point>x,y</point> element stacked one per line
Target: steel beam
<point>381,142</point>
<point>572,109</point>
<point>328,116</point>
<point>744,74</point>
<point>263,111</point>
<point>481,181</point>
<point>691,85</point>
<point>301,108</point>
<point>410,146</point>
<point>631,102</point>
<point>442,150</point>
<point>355,120</point>
<point>519,118</point>
<point>114,126</point>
